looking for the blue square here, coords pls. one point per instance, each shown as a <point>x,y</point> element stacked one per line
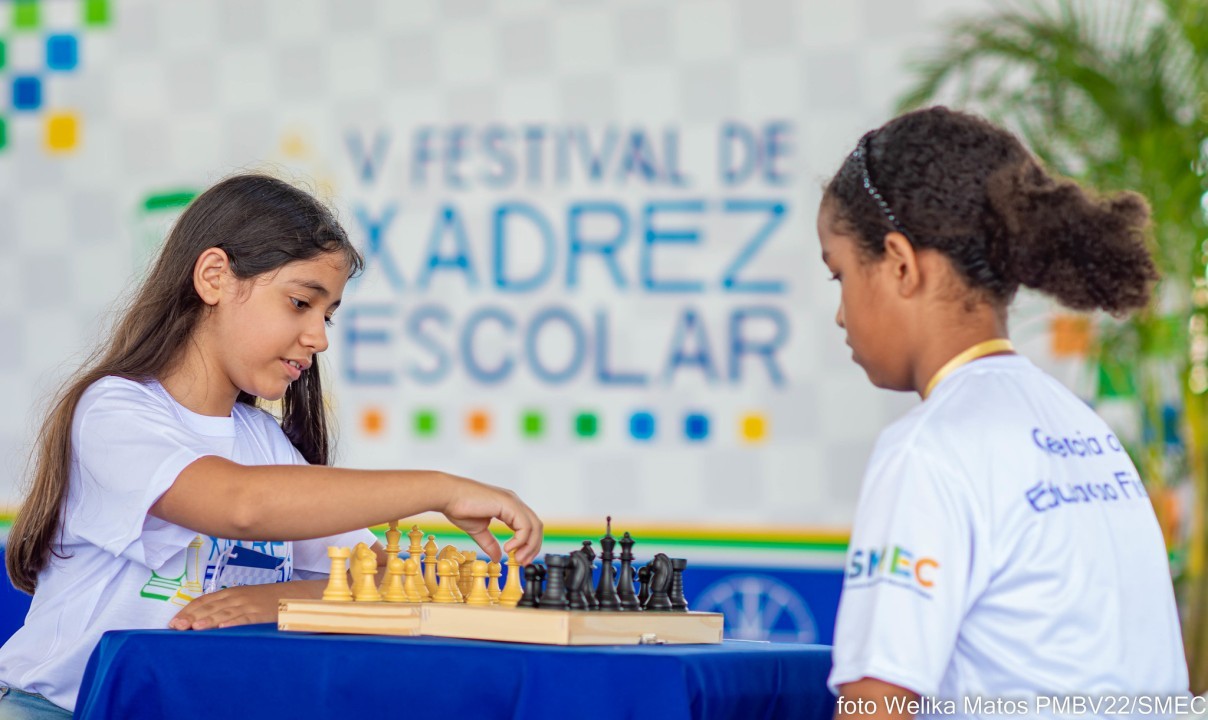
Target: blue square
<point>62,52</point>
<point>27,93</point>
<point>641,426</point>
<point>696,426</point>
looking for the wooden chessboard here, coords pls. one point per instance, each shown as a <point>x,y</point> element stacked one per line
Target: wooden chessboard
<point>521,625</point>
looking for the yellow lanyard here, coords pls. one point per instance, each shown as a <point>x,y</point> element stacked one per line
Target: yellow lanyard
<point>980,350</point>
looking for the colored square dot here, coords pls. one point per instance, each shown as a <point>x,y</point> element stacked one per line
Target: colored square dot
<point>96,12</point>
<point>373,421</point>
<point>27,93</point>
<point>532,424</point>
<point>478,423</point>
<point>425,423</point>
<point>696,426</point>
<point>3,133</point>
<point>62,132</point>
<point>62,52</point>
<point>753,427</point>
<point>3,54</point>
<point>586,425</point>
<point>25,14</point>
<point>641,426</point>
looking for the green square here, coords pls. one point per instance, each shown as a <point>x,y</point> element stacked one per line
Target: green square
<point>96,12</point>
<point>3,54</point>
<point>586,425</point>
<point>3,133</point>
<point>425,423</point>
<point>25,14</point>
<point>532,424</point>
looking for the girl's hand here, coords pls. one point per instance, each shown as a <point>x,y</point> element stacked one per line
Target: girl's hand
<point>472,505</point>
<point>241,605</point>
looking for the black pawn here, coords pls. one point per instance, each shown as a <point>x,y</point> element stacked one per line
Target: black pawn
<point>644,585</point>
<point>588,594</point>
<point>660,584</point>
<point>540,582</point>
<point>629,601</point>
<point>679,603</point>
<point>606,591</point>
<point>529,598</point>
<point>577,574</point>
<point>554,595</point>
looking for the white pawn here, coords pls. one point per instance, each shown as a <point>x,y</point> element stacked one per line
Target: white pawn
<point>478,584</point>
<point>393,582</point>
<point>494,571</point>
<point>512,590</point>
<point>367,590</point>
<point>446,582</point>
<point>412,584</point>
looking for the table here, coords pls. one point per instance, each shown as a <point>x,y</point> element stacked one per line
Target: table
<point>258,671</point>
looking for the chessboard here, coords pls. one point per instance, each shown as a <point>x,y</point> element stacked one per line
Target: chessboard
<point>501,624</point>
<point>458,596</point>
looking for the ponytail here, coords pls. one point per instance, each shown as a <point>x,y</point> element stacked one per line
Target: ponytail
<point>956,183</point>
<point>1087,252</point>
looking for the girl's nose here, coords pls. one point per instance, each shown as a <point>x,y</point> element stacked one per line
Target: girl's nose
<point>316,337</point>
<point>839,317</point>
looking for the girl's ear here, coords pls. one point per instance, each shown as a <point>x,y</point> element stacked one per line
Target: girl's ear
<point>209,274</point>
<point>903,263</point>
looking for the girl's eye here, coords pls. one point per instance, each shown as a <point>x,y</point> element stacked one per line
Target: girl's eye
<point>300,304</point>
<point>329,321</point>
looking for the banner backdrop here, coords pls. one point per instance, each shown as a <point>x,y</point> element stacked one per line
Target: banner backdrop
<point>592,271</point>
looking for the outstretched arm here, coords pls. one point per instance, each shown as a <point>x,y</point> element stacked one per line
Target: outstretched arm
<point>296,502</point>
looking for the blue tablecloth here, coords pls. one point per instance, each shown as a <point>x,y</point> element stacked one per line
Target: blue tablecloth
<point>257,671</point>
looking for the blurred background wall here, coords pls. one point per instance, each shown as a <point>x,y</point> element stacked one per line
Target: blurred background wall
<point>592,275</point>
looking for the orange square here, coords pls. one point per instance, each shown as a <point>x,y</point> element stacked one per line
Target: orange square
<point>478,423</point>
<point>1070,335</point>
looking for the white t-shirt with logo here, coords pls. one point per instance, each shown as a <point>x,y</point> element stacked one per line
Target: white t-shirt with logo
<point>123,568</point>
<point>1004,547</point>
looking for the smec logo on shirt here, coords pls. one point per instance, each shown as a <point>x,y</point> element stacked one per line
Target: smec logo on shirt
<point>894,564</point>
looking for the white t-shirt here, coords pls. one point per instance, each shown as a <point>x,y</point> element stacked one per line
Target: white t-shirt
<point>125,569</point>
<point>1005,548</point>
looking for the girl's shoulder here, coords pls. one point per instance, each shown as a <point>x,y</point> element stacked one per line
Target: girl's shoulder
<point>114,390</point>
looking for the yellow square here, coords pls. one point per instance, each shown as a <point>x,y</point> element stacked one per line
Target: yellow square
<point>62,132</point>
<point>754,427</point>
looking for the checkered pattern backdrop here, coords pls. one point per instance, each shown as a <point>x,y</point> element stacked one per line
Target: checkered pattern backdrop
<point>169,97</point>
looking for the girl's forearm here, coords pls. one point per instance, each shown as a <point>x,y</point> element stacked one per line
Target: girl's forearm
<point>295,502</point>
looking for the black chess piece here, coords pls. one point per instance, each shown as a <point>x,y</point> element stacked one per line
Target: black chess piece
<point>554,594</point>
<point>532,582</point>
<point>679,603</point>
<point>660,584</point>
<point>629,601</point>
<point>577,574</point>
<point>644,575</point>
<point>540,582</point>
<point>589,595</point>
<point>606,591</point>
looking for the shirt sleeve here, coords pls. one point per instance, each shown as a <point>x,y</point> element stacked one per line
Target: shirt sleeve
<point>906,584</point>
<point>129,449</point>
<point>310,556</point>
